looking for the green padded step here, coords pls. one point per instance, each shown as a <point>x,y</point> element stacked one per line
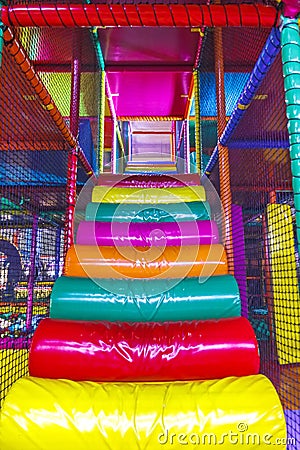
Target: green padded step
<point>136,300</point>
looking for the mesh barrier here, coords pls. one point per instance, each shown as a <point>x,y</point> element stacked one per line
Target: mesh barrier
<point>34,177</point>
<point>263,215</point>
<point>34,185</point>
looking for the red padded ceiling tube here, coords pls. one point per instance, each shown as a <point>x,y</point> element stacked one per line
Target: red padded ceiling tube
<point>79,15</point>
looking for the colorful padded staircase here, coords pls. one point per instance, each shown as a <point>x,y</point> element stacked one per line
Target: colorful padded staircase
<point>148,167</point>
<point>145,346</point>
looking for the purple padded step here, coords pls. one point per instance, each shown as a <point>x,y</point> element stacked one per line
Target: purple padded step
<point>149,181</point>
<point>147,234</point>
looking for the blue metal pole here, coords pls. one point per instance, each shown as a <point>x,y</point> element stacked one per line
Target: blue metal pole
<point>186,146</point>
<point>255,143</point>
<point>57,252</point>
<point>31,276</point>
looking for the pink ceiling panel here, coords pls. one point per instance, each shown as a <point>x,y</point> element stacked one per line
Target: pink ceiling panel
<point>145,93</point>
<point>152,46</point>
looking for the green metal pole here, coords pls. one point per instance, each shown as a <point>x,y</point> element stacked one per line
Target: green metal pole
<point>1,42</point>
<point>290,51</point>
<point>2,3</point>
<point>101,123</point>
<point>198,148</point>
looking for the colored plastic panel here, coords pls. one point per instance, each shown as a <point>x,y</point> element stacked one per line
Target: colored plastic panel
<point>285,285</point>
<point>155,93</point>
<point>59,86</point>
<point>234,84</point>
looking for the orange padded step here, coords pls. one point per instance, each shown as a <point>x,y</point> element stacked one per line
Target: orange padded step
<point>144,262</point>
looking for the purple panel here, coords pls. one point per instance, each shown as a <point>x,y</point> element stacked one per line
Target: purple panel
<point>239,255</point>
<point>147,234</point>
<point>155,145</point>
<point>293,427</point>
<point>150,93</point>
<point>150,68</point>
<point>149,181</point>
<point>291,8</point>
<point>15,343</point>
<point>140,46</point>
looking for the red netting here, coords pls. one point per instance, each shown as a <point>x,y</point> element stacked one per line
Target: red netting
<point>34,183</point>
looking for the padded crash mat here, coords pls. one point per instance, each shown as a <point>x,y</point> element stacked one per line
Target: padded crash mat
<point>148,181</point>
<point>50,414</point>
<point>106,194</point>
<point>144,262</point>
<point>284,279</point>
<point>151,351</point>
<point>145,300</point>
<point>164,212</point>
<point>147,234</point>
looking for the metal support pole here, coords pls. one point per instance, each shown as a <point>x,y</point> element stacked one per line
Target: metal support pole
<point>129,142</point>
<point>197,121</point>
<point>57,253</point>
<point>187,146</point>
<point>1,41</point>
<point>101,131</point>
<point>101,112</point>
<point>75,84</point>
<point>125,130</point>
<point>71,199</point>
<point>225,187</point>
<point>2,27</point>
<point>31,276</point>
<point>117,152</point>
<point>290,44</point>
<point>173,141</point>
<point>72,155</point>
<point>114,155</point>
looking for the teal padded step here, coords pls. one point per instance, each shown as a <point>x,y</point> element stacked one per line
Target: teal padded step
<point>140,300</point>
<point>166,212</point>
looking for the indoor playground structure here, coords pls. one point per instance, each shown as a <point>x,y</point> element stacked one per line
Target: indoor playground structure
<point>150,225</point>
